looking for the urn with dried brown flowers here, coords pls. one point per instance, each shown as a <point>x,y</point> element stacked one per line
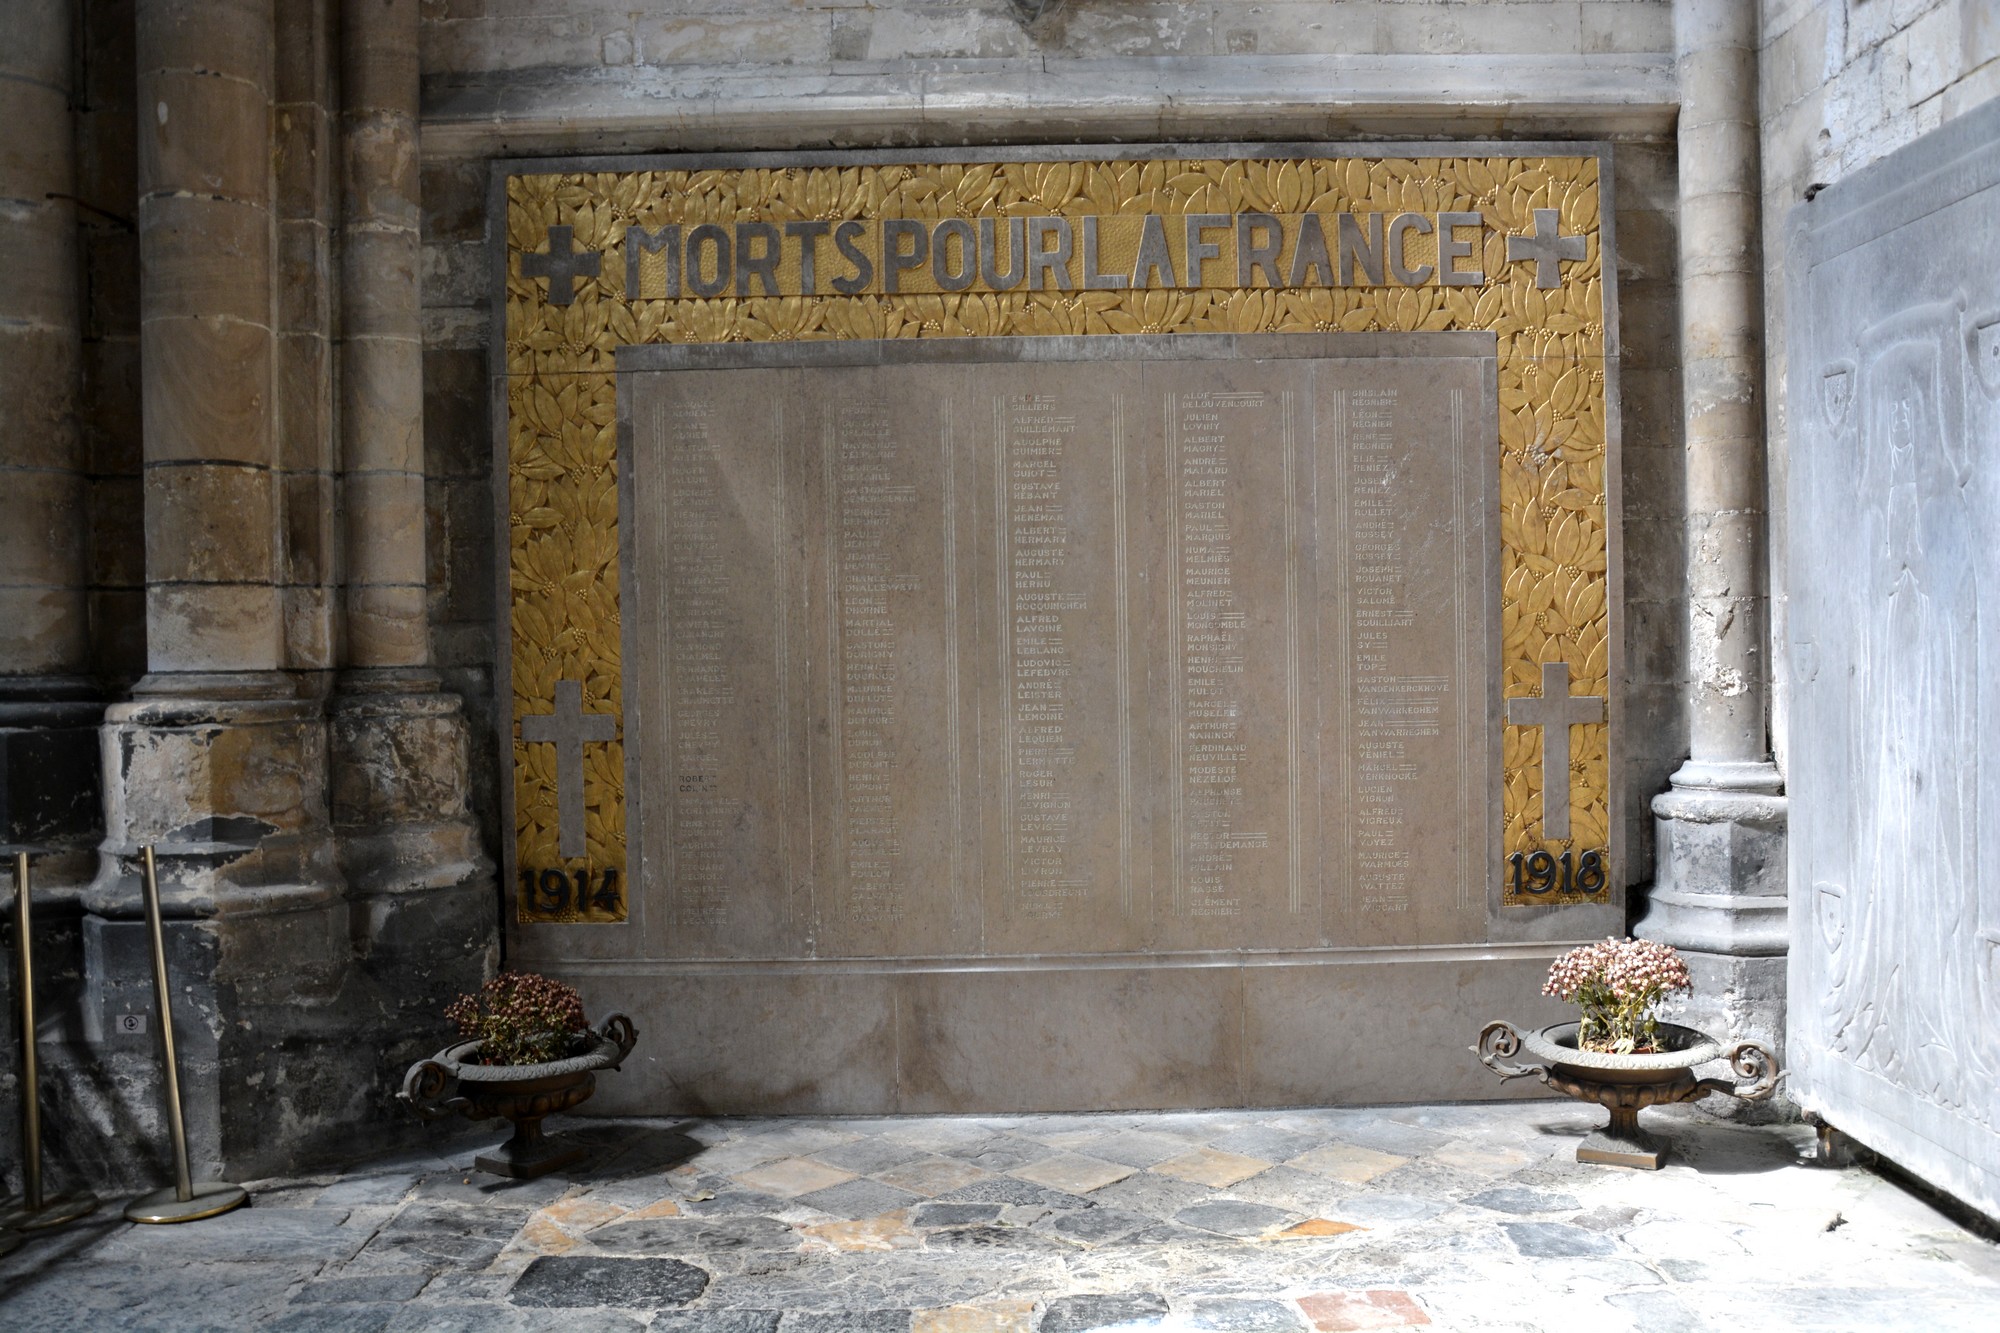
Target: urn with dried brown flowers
<point>528,1053</point>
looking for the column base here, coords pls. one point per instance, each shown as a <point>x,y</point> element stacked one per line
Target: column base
<point>1720,897</point>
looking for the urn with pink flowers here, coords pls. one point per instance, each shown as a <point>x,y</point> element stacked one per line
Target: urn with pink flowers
<point>1619,1054</point>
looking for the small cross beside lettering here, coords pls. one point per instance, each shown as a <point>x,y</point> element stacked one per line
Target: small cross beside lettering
<point>562,265</point>
<point>1548,247</point>
<point>567,729</point>
<point>1555,713</point>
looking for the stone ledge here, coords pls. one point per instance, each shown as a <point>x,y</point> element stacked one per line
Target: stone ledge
<point>987,101</point>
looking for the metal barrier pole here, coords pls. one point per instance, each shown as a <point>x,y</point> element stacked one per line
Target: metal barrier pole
<point>34,1212</point>
<point>185,1201</point>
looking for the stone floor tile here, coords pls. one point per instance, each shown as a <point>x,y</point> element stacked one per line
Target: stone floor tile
<point>492,1317</point>
<point>869,1155</point>
<point>1006,1189</point>
<point>334,1319</point>
<point>1485,1159</point>
<point>1233,1217</point>
<point>692,1237</point>
<point>1514,1199</point>
<point>1154,1195</point>
<point>1339,1311</point>
<point>954,1214</point>
<point>369,1287</point>
<point>394,1188</point>
<point>1002,1152</point>
<point>1289,1187</point>
<point>735,1155</point>
<point>1235,1315</point>
<point>1081,1314</point>
<point>846,1321</point>
<point>937,1133</point>
<point>716,1321</point>
<point>1316,1228</point>
<point>1137,1148</point>
<point>1350,1162</point>
<point>572,1282</point>
<point>1269,1142</point>
<point>1383,1206</point>
<point>1097,1226</point>
<point>890,1231</point>
<point>931,1176</point>
<point>668,1207</point>
<point>476,1187</point>
<point>997,1317</point>
<point>1556,1240</point>
<point>1072,1173</point>
<point>858,1198</point>
<point>799,1138</point>
<point>1208,1166</point>
<point>443,1235</point>
<point>791,1176</point>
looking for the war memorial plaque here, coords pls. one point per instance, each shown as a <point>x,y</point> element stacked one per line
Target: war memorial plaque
<point>976,652</point>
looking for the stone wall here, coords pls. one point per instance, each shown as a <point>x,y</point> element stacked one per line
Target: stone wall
<point>1843,84</point>
<point>506,78</point>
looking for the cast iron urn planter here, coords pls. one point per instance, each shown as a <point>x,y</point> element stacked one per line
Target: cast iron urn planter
<point>1624,1084</point>
<point>453,1082</point>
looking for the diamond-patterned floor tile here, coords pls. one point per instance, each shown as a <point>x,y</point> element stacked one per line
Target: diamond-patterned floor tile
<point>1002,1152</point>
<point>1072,1173</point>
<point>1208,1166</point>
<point>858,1198</point>
<point>1136,1149</point>
<point>931,1176</point>
<point>869,1155</point>
<point>792,1177</point>
<point>1345,1161</point>
<point>1268,1142</point>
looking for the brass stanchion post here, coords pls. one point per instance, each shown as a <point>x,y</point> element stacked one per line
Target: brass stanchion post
<point>185,1201</point>
<point>33,1212</point>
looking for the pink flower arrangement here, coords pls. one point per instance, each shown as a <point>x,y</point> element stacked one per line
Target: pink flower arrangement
<point>1616,984</point>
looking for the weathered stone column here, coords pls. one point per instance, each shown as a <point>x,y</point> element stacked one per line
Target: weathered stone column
<point>1719,893</point>
<point>422,887</point>
<point>48,713</point>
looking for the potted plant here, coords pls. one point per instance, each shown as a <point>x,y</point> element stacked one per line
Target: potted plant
<point>1619,1054</point>
<point>529,1053</point>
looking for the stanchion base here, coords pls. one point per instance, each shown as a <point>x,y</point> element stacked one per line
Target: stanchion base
<point>58,1211</point>
<point>211,1198</point>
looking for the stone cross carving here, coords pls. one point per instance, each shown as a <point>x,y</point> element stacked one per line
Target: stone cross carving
<point>1547,247</point>
<point>1555,713</point>
<point>567,729</point>
<point>563,265</point>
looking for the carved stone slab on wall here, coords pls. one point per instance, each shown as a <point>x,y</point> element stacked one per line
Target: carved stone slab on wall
<point>978,590</point>
<point>1894,503</point>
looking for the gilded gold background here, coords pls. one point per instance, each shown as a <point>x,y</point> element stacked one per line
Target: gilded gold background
<point>562,438</point>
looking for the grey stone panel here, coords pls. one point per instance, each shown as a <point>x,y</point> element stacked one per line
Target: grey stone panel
<point>1894,409</point>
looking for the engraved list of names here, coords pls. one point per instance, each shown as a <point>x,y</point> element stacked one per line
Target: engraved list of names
<point>984,650</point>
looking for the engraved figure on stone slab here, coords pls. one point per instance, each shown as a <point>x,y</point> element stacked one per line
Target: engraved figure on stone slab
<point>1907,1005</point>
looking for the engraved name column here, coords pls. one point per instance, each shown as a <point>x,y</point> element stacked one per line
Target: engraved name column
<point>1411,496</point>
<point>1235,600</point>
<point>704,618</point>
<point>1062,579</point>
<point>891,511</point>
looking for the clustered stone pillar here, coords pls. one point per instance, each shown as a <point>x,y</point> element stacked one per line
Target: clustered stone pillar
<point>216,761</point>
<point>400,748</point>
<point>1719,893</point>
<point>48,786</point>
